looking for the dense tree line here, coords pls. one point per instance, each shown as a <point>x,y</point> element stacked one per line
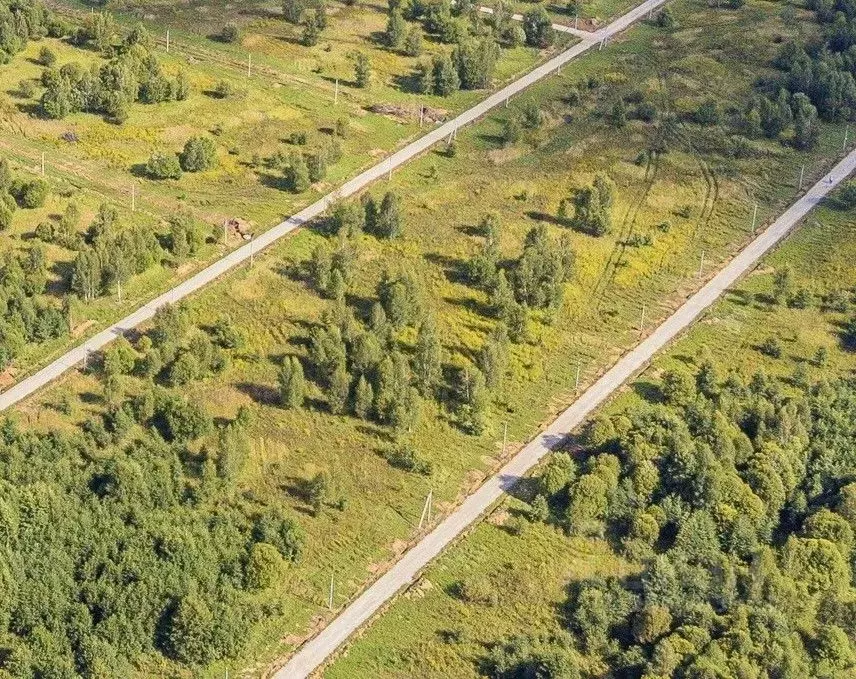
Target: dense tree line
<point>738,499</point>
<point>26,313</point>
<point>126,537</point>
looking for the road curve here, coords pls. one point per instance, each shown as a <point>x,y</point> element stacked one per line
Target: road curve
<point>76,355</point>
<point>312,654</point>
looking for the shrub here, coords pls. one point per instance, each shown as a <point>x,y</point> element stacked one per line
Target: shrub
<point>223,90</point>
<point>230,33</point>
<point>771,347</point>
<point>33,194</point>
<point>47,58</point>
<point>163,166</point>
<point>26,88</point>
<point>199,154</point>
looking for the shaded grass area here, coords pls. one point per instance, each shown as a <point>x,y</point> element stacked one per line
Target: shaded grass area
<point>431,632</point>
<point>705,196</point>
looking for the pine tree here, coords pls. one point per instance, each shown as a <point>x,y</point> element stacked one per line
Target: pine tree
<point>427,359</point>
<point>396,28</point>
<point>413,42</point>
<point>388,223</point>
<point>362,70</point>
<point>297,175</point>
<point>292,385</point>
<point>444,75</point>
<point>363,398</point>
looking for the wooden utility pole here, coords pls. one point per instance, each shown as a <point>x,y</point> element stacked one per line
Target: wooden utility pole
<point>577,381</point>
<point>754,218</point>
<point>330,597</point>
<point>43,163</point>
<point>642,321</point>
<point>249,65</point>
<point>802,173</point>
<point>167,40</point>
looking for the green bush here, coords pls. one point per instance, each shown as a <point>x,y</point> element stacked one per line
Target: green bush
<point>199,154</point>
<point>163,166</point>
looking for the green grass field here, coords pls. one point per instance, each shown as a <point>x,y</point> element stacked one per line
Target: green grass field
<point>670,208</point>
<point>430,632</point>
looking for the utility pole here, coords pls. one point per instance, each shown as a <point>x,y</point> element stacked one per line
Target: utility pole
<point>802,174</point>
<point>846,132</point>
<point>426,510</point>
<point>336,93</point>
<point>642,321</point>
<point>167,40</point>
<point>577,381</point>
<point>576,19</point>
<point>249,65</point>
<point>754,217</point>
<point>330,598</point>
<point>43,163</point>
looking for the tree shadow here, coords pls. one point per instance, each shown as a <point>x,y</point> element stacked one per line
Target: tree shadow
<point>273,181</point>
<point>342,83</point>
<point>546,217</point>
<point>472,230</point>
<point>407,82</point>
<point>262,394</point>
<point>31,109</point>
<point>473,305</point>
<point>493,139</point>
<point>454,268</point>
<point>739,297</point>
<point>648,391</point>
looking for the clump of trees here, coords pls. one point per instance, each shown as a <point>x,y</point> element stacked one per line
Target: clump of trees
<point>199,154</point>
<point>22,21</point>
<point>591,206</point>
<point>737,498</point>
<point>131,74</point>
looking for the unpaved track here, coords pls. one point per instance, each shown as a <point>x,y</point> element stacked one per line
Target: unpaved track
<point>320,647</point>
<point>243,254</point>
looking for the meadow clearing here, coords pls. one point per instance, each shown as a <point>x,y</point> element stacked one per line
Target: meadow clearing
<point>675,198</point>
